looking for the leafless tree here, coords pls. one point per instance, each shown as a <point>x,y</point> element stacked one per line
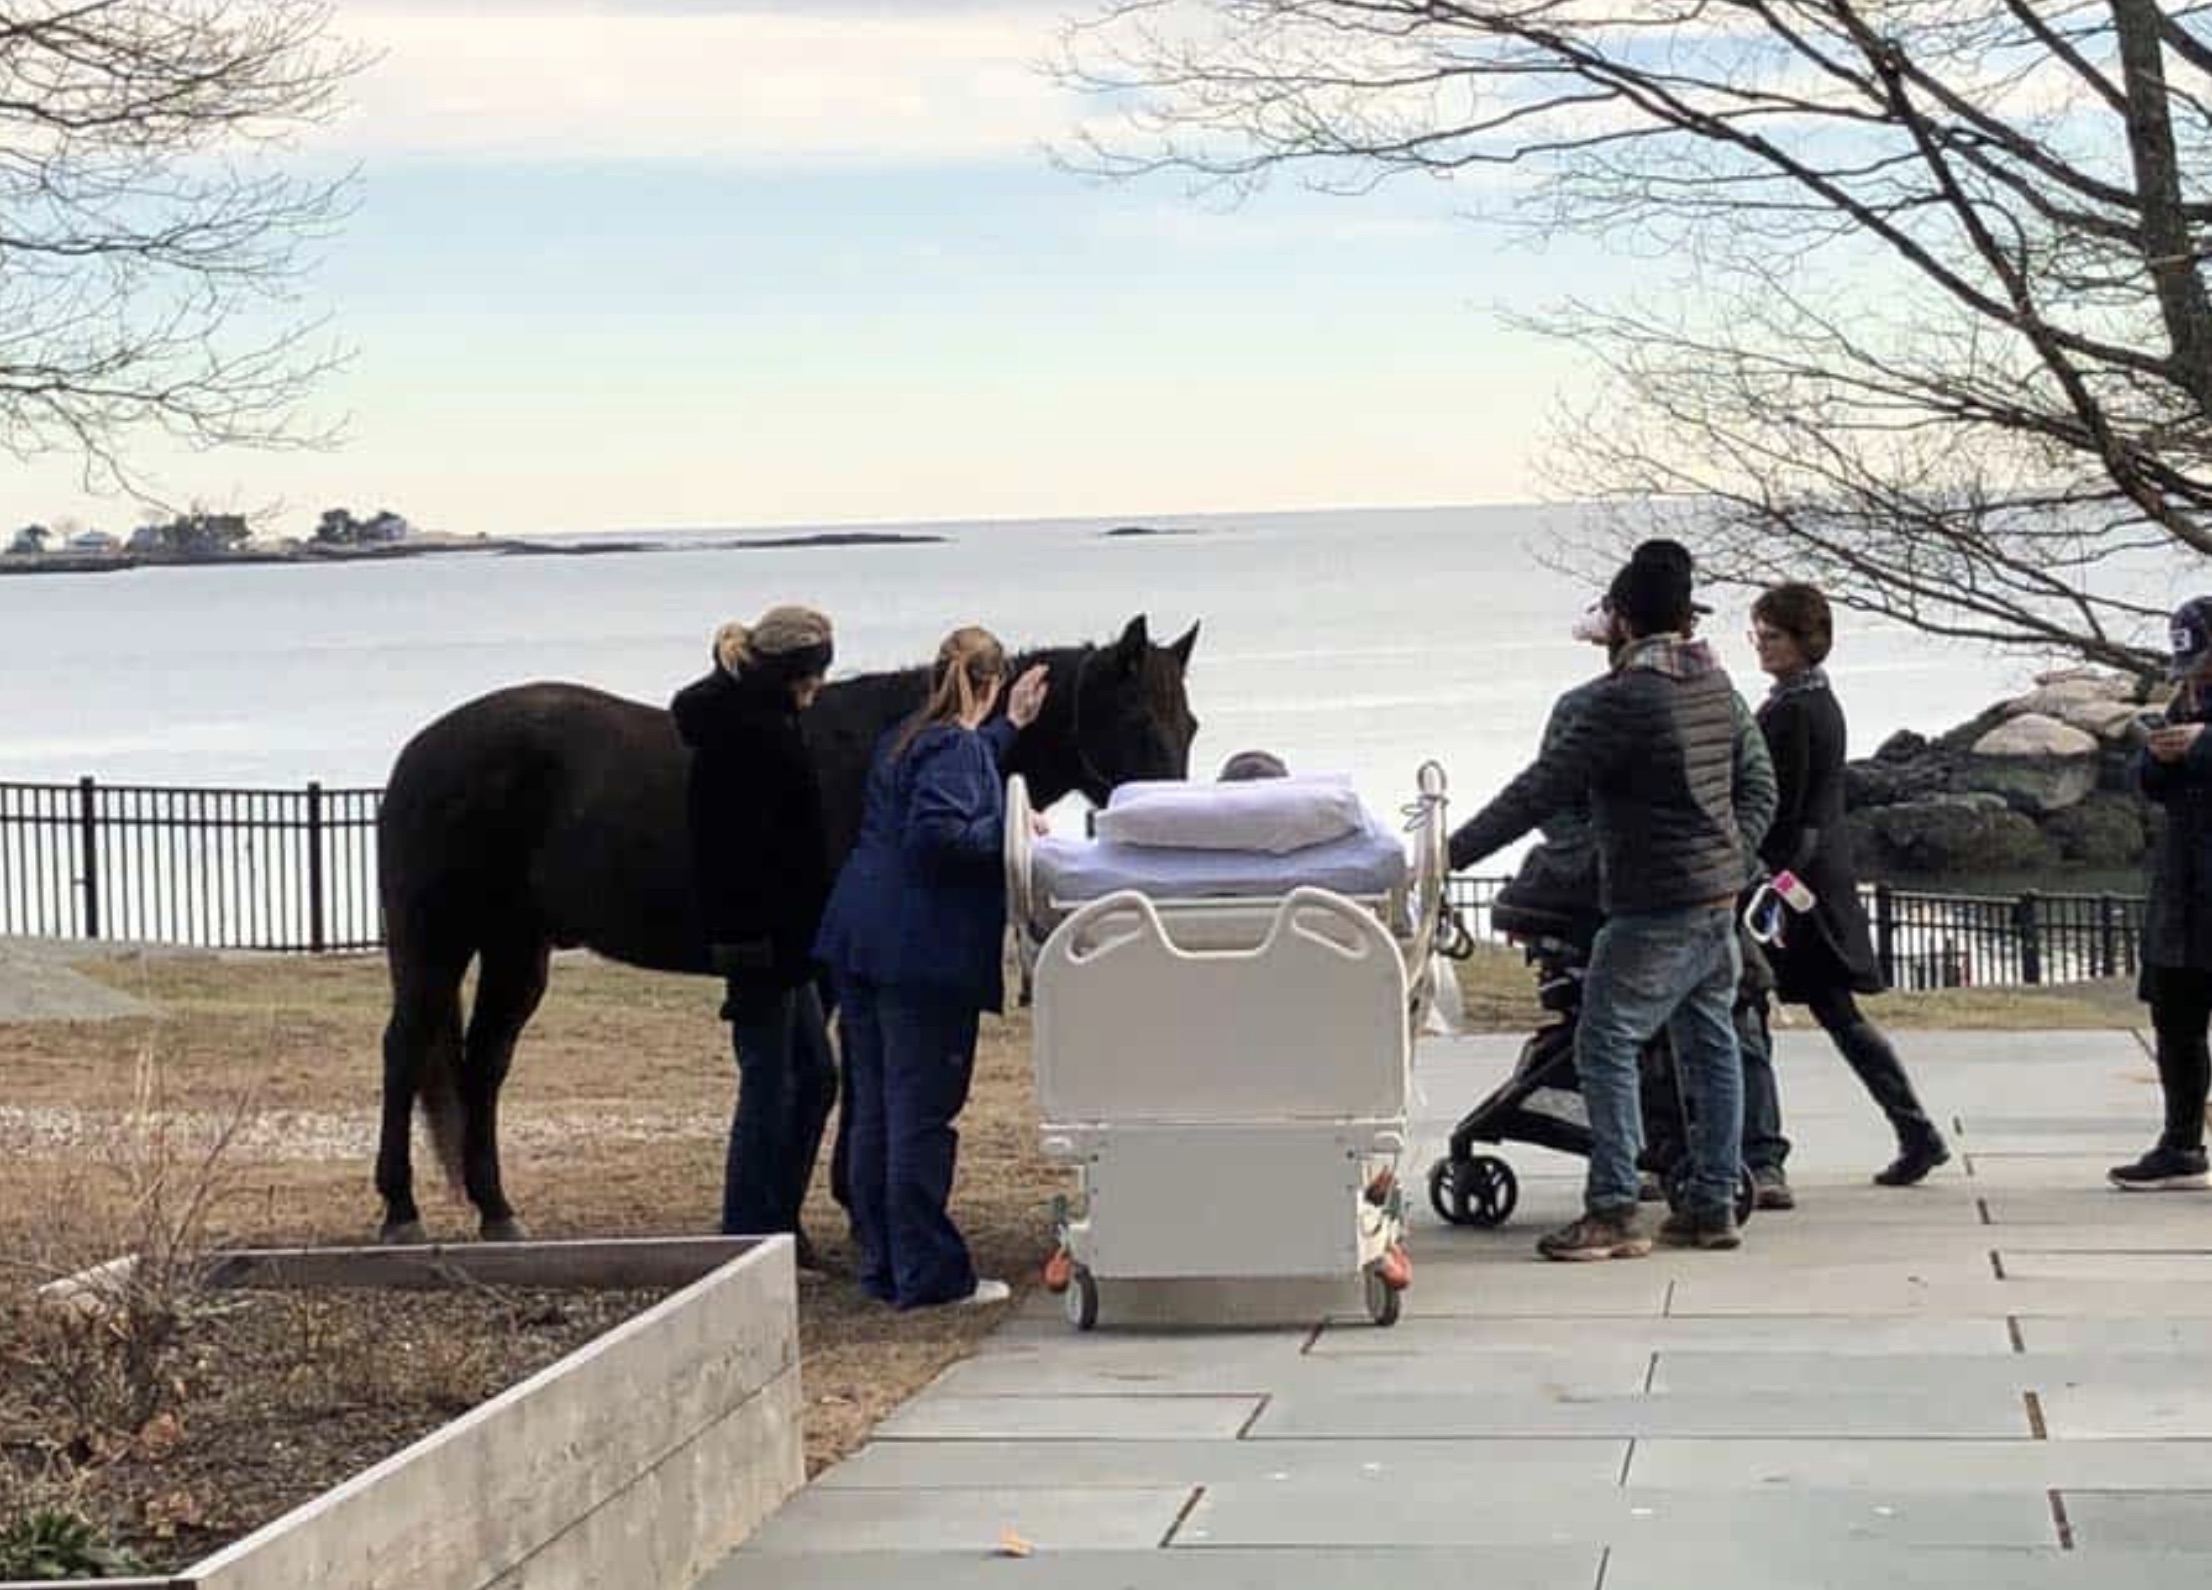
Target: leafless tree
<point>1920,306</point>
<point>151,239</point>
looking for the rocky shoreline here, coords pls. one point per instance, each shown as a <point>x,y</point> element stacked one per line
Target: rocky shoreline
<point>2041,785</point>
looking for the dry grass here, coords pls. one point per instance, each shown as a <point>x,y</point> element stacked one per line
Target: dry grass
<point>614,1120</point>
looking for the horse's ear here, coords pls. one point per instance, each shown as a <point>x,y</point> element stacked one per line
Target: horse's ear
<point>1136,640</point>
<point>1181,648</point>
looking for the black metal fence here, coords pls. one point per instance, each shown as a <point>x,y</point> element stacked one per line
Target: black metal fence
<point>215,868</point>
<point>1928,940</point>
<point>296,870</point>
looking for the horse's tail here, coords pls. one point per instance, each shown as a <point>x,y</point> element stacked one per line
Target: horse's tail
<point>439,1089</point>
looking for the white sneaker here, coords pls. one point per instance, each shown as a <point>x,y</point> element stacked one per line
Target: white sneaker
<point>987,1293</point>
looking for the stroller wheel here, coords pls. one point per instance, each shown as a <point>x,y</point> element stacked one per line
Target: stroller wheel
<point>1445,1195</point>
<point>1747,1196</point>
<point>1482,1191</point>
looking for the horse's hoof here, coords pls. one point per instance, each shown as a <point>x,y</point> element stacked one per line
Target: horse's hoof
<point>403,1234</point>
<point>508,1229</point>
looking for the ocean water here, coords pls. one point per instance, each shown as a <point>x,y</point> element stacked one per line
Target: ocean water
<point>1361,641</point>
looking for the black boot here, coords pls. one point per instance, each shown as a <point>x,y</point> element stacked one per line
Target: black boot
<point>1872,1058</point>
<point>1916,1156</point>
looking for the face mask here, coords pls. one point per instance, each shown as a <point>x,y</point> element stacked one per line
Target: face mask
<point>1594,627</point>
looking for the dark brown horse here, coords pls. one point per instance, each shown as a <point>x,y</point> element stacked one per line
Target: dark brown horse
<point>551,815</point>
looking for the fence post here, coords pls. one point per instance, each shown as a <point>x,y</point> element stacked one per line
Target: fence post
<point>2027,923</point>
<point>1885,933</point>
<point>316,941</point>
<point>2108,936</point>
<point>88,845</point>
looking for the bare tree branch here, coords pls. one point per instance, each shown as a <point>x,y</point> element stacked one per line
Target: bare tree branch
<point>1951,342</point>
<point>151,241</point>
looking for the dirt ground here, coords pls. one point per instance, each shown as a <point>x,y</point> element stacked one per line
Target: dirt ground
<point>614,1123</point>
<point>341,1379</point>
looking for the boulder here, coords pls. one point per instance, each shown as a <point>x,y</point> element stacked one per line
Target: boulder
<point>2032,786</point>
<point>1947,835</point>
<point>2056,693</point>
<point>2113,722</point>
<point>2035,734</point>
<point>2106,832</point>
<point>1880,783</point>
<point>2037,764</point>
<point>1903,746</point>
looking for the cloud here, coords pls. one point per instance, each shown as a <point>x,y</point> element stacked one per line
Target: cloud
<point>854,81</point>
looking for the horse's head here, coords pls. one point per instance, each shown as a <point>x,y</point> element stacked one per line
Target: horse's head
<point>1116,713</point>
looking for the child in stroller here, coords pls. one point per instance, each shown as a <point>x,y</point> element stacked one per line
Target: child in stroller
<point>1550,910</point>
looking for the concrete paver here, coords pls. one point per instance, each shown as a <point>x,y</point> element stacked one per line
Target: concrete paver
<point>1991,1381</point>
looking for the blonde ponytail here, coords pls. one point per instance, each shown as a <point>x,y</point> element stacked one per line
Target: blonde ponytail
<point>968,663</point>
<point>788,638</point>
<point>733,647</point>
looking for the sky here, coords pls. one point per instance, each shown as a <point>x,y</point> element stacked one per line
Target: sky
<point>624,266</point>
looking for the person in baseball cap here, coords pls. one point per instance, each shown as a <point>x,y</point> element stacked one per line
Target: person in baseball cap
<point>2175,770</point>
<point>2191,638</point>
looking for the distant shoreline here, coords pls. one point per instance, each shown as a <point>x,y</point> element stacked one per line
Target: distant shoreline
<point>492,546</point>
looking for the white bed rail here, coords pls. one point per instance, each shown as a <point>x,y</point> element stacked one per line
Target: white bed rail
<point>1309,1025</point>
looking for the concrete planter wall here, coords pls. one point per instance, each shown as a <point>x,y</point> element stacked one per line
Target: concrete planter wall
<point>642,1458</point>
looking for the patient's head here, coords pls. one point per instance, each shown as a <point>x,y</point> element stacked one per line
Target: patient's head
<point>1247,766</point>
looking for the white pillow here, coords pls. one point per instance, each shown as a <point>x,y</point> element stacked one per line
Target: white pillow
<point>1274,816</point>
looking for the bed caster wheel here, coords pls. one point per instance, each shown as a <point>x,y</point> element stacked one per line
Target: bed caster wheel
<point>1081,1299</point>
<point>1383,1300</point>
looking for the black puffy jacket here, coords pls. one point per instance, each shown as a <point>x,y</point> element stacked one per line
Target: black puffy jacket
<point>760,854</point>
<point>1655,747</point>
<point>2177,920</point>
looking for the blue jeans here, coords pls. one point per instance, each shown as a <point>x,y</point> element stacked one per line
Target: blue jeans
<point>909,1058</point>
<point>787,1081</point>
<point>1764,1146</point>
<point>1650,970</point>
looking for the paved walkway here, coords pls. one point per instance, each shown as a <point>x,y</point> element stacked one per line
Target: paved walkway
<point>36,984</point>
<point>1998,1380</point>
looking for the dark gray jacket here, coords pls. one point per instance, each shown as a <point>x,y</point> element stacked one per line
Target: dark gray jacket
<point>1568,832</point>
<point>1654,745</point>
<point>2177,919</point>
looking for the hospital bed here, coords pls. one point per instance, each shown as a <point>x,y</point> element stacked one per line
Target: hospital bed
<point>1223,1042</point>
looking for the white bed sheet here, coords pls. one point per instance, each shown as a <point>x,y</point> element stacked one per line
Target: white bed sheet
<point>1067,870</point>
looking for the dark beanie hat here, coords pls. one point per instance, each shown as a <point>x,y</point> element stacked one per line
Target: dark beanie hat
<point>1653,589</point>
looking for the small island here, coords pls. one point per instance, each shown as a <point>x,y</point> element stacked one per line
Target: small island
<point>199,538</point>
<point>1132,531</point>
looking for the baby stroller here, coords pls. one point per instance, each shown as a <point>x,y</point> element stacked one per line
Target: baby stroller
<point>1549,910</point>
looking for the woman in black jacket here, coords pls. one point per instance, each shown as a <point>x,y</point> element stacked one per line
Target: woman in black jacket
<point>1827,957</point>
<point>760,865</point>
<point>2175,770</point>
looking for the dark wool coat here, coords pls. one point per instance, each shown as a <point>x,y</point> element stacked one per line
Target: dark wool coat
<point>760,855</point>
<point>2177,920</point>
<point>1806,738</point>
